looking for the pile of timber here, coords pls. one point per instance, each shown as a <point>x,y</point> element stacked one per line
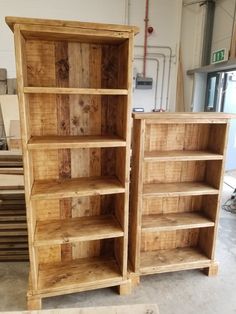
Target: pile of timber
<point>13,228</point>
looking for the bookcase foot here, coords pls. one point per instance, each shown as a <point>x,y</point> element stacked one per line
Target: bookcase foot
<point>135,279</point>
<point>212,270</point>
<point>125,288</point>
<point>34,302</point>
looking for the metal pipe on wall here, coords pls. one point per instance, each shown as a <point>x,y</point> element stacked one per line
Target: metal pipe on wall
<point>128,5</point>
<point>208,31</point>
<point>146,19</point>
<point>163,76</point>
<point>169,68</point>
<point>127,12</point>
<point>163,73</point>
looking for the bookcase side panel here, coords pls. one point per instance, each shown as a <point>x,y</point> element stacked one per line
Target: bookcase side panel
<point>21,69</point>
<point>136,193</point>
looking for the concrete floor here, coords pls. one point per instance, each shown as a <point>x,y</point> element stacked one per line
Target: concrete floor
<point>184,292</point>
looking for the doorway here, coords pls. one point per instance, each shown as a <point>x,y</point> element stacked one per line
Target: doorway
<point>221,97</point>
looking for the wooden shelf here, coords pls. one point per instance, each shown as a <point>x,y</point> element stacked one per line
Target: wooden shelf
<point>181,155</point>
<point>74,91</point>
<point>175,221</point>
<point>53,189</point>
<point>78,275</point>
<point>178,189</point>
<point>77,229</point>
<point>87,141</point>
<point>172,260</point>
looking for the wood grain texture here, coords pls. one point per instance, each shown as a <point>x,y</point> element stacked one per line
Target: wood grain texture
<point>136,194</point>
<point>174,172</point>
<point>175,204</point>
<point>172,260</point>
<point>68,141</point>
<point>178,189</point>
<point>77,229</point>
<point>13,223</point>
<point>63,129</point>
<point>22,80</point>
<point>89,272</point>
<point>12,20</point>
<point>168,222</point>
<point>180,155</point>
<point>72,34</point>
<point>53,189</point>
<point>71,90</point>
<point>165,240</point>
<point>205,117</point>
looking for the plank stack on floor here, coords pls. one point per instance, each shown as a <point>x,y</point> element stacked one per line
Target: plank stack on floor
<point>13,229</point>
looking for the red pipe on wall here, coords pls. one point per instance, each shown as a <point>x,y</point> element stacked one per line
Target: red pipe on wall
<point>145,37</point>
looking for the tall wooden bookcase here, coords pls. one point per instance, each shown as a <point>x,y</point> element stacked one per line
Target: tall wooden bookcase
<point>179,161</point>
<point>74,88</point>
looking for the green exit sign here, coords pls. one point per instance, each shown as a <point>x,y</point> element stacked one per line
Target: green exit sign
<point>219,56</point>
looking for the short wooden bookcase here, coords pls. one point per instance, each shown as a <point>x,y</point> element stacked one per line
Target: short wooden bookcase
<point>74,88</point>
<point>177,169</point>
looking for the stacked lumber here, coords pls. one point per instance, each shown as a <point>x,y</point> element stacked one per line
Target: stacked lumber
<point>13,228</point>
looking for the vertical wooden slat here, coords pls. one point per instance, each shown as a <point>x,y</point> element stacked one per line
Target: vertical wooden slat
<point>123,79</point>
<point>25,135</point>
<point>136,200</point>
<point>84,162</point>
<point>94,65</point>
<point>63,128</point>
<point>40,57</point>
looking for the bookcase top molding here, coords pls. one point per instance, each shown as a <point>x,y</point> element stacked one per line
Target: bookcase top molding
<point>12,20</point>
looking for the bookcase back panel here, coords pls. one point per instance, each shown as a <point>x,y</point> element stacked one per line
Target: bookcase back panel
<point>75,163</point>
<point>81,207</point>
<point>75,64</point>
<point>172,171</point>
<point>56,253</point>
<point>43,114</point>
<point>210,204</point>
<point>206,241</point>
<point>217,138</point>
<point>170,137</point>
<point>206,204</point>
<point>169,240</point>
<point>49,254</point>
<point>214,173</point>
<point>77,115</point>
<point>165,205</point>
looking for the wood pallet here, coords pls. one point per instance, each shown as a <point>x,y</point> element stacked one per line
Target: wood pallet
<point>179,160</point>
<point>13,227</point>
<point>74,87</point>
